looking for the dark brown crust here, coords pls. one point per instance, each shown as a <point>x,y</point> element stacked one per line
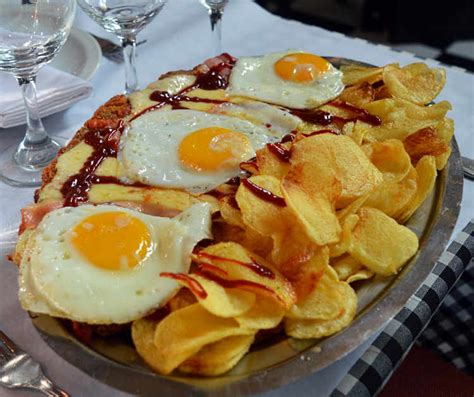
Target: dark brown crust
<point>114,109</point>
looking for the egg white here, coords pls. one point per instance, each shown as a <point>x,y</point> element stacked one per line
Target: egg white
<point>255,77</point>
<point>149,148</point>
<point>57,280</point>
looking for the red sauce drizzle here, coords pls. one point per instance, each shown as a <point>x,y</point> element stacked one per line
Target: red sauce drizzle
<point>257,268</point>
<point>313,116</point>
<point>193,285</point>
<point>289,137</point>
<point>321,132</point>
<point>359,114</point>
<point>264,194</point>
<point>226,283</point>
<point>325,118</point>
<point>279,151</point>
<point>211,268</point>
<point>165,98</point>
<point>215,78</point>
<point>104,142</point>
<point>235,181</point>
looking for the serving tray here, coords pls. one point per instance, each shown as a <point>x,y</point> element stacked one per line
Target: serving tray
<point>114,361</point>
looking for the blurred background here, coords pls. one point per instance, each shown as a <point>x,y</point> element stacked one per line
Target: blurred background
<point>428,28</point>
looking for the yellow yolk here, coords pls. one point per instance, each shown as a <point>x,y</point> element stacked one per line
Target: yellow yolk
<point>112,240</point>
<point>301,67</point>
<point>214,148</point>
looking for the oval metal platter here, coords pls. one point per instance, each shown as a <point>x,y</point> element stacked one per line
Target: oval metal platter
<point>114,361</point>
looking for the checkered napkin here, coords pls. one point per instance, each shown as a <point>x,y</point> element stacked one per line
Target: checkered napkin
<point>450,332</point>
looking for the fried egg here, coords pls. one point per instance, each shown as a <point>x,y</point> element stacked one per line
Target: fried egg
<point>188,149</point>
<point>102,264</point>
<point>295,79</point>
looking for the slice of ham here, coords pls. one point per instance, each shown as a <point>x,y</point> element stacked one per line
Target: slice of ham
<point>215,61</point>
<point>32,215</point>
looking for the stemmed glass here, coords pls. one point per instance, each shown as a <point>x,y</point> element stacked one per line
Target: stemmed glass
<point>125,19</point>
<point>215,9</point>
<point>31,34</point>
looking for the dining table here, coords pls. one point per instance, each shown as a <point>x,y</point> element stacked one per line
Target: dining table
<point>179,38</point>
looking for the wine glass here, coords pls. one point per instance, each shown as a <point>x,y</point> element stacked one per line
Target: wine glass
<point>215,9</point>
<point>31,33</point>
<point>125,19</point>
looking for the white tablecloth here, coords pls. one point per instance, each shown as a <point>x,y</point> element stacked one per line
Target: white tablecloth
<point>177,39</point>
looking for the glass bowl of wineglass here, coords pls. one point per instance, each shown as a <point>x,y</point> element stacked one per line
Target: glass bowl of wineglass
<point>125,19</point>
<point>31,33</point>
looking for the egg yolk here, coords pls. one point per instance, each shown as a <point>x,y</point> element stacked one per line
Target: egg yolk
<point>214,148</point>
<point>112,240</point>
<point>300,67</point>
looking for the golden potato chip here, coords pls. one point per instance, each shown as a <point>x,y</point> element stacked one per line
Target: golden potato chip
<point>345,266</point>
<point>220,301</point>
<point>233,266</point>
<point>357,132</point>
<point>230,211</point>
<point>425,180</point>
<point>181,299</point>
<point>325,301</point>
<point>380,243</point>
<point>265,314</point>
<point>416,83</point>
<point>401,118</point>
<point>352,208</point>
<point>362,274</point>
<point>268,219</point>
<point>249,238</point>
<point>184,332</point>
<point>358,74</point>
<point>342,246</point>
<point>305,276</point>
<point>292,247</point>
<point>270,164</point>
<point>358,94</point>
<point>304,329</point>
<point>391,158</point>
<point>143,336</point>
<point>314,212</point>
<point>332,158</point>
<point>445,129</point>
<point>264,216</point>
<point>218,357</point>
<point>394,197</point>
<point>424,142</point>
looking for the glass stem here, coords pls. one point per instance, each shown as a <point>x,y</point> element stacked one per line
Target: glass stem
<point>129,55</point>
<point>216,30</point>
<point>35,132</point>
<point>36,149</point>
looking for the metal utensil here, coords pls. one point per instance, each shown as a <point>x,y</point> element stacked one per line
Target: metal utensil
<point>19,370</point>
<point>468,167</point>
<point>113,52</point>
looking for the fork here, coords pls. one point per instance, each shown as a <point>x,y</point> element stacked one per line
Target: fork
<point>19,370</point>
<point>468,167</point>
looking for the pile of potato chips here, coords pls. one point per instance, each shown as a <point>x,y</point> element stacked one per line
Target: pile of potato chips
<point>336,217</point>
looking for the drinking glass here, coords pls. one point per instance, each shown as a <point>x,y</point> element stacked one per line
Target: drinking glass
<point>125,19</point>
<point>215,9</point>
<point>31,34</point>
